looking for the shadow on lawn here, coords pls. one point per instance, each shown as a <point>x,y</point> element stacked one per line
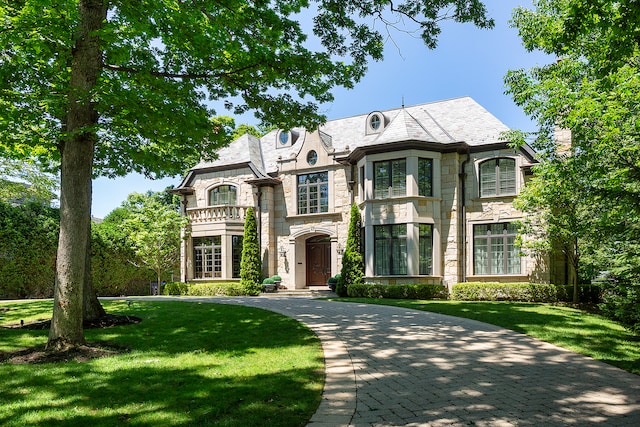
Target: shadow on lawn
<point>177,372</point>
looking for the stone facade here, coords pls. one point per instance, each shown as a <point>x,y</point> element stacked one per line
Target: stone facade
<point>415,173</point>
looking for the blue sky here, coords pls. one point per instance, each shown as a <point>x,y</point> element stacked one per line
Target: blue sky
<point>467,62</point>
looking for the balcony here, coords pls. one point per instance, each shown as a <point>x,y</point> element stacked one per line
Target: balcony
<point>234,214</point>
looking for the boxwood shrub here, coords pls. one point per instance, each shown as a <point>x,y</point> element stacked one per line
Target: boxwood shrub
<point>207,289</point>
<point>409,291</point>
<point>491,291</point>
<point>527,292</point>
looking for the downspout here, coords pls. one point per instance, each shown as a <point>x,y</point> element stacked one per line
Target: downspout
<point>463,215</point>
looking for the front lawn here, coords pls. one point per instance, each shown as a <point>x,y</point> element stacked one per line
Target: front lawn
<point>576,330</point>
<point>188,364</point>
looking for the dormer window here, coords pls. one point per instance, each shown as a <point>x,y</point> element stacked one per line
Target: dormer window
<point>286,138</point>
<point>375,122</point>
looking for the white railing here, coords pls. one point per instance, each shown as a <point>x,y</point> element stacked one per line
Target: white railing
<point>217,214</point>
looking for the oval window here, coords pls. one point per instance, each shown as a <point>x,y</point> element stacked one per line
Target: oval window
<point>284,137</point>
<point>375,122</point>
<point>312,157</point>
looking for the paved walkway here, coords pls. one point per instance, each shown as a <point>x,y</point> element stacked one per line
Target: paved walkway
<point>389,366</point>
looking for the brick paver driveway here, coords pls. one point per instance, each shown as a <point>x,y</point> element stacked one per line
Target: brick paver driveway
<point>389,366</point>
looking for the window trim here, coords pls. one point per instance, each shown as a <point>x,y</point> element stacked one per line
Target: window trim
<point>393,244</point>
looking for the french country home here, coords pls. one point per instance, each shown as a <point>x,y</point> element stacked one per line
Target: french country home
<point>434,183</point>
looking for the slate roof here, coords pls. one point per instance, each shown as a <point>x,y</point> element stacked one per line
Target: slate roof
<point>453,121</point>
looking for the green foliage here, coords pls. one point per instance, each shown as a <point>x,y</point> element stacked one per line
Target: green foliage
<point>276,278</point>
<point>487,291</point>
<point>268,281</point>
<point>621,302</point>
<point>112,253</point>
<point>408,291</point>
<point>28,244</point>
<point>153,228</point>
<point>23,181</point>
<point>251,263</point>
<point>175,288</point>
<point>593,90</point>
<point>352,272</point>
<point>222,289</point>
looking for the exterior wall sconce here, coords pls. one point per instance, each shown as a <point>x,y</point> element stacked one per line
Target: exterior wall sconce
<point>283,252</point>
<point>339,249</point>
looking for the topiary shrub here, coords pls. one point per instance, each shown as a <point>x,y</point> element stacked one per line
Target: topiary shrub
<point>352,272</point>
<point>250,263</point>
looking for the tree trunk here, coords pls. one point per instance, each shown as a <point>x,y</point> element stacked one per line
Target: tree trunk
<point>76,152</point>
<point>92,309</point>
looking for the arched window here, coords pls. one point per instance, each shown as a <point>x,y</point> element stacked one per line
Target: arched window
<point>223,195</point>
<point>498,177</point>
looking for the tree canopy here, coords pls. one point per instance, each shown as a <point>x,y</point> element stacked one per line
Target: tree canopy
<point>593,90</point>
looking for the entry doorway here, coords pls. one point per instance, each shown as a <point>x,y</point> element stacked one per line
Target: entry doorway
<point>318,257</point>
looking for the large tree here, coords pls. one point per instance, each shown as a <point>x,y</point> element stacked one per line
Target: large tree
<point>109,87</point>
<point>592,88</point>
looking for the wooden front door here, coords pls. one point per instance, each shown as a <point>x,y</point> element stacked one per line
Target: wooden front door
<point>318,261</point>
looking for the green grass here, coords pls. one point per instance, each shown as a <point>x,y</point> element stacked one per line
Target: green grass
<point>189,364</point>
<point>576,330</point>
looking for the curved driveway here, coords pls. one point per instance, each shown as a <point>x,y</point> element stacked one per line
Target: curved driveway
<point>389,366</point>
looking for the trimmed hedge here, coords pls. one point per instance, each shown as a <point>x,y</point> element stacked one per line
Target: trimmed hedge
<point>527,292</point>
<point>409,291</point>
<point>208,289</point>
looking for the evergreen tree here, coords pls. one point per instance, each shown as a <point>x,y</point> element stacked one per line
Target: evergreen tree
<point>352,272</point>
<point>250,264</point>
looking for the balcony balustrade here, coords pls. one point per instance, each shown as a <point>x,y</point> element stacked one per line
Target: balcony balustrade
<point>235,214</point>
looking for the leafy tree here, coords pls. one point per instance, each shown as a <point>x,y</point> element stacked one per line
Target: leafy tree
<point>592,89</point>
<point>112,271</point>
<point>250,262</point>
<point>109,87</point>
<point>153,228</point>
<point>352,272</point>
<point>22,181</point>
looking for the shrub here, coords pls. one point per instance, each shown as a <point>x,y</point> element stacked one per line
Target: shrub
<point>352,272</point>
<point>219,289</point>
<point>250,263</point>
<point>175,288</point>
<point>621,302</point>
<point>408,291</point>
<point>268,281</point>
<point>490,291</point>
<point>276,278</point>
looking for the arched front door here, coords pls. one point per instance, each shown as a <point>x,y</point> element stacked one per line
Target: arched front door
<point>318,250</point>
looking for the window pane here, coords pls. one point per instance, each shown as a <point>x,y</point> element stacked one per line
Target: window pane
<point>494,249</point>
<point>426,243</point>
<point>223,195</point>
<point>507,173</point>
<point>425,177</point>
<point>236,243</point>
<point>313,193</point>
<point>513,259</point>
<point>480,256</point>
<point>488,178</point>
<point>497,255</point>
<point>399,178</point>
<point>381,179</point>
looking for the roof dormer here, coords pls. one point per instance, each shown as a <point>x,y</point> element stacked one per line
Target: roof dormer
<point>376,122</point>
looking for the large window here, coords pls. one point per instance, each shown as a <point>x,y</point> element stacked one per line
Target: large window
<point>207,257</point>
<point>223,195</point>
<point>313,193</point>
<point>498,177</point>
<point>390,249</point>
<point>426,248</point>
<point>494,250</point>
<point>425,177</point>
<point>390,178</point>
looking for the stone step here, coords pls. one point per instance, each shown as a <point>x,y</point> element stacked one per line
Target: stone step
<point>316,292</point>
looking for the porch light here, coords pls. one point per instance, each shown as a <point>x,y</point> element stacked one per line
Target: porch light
<point>339,249</point>
<point>283,252</point>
